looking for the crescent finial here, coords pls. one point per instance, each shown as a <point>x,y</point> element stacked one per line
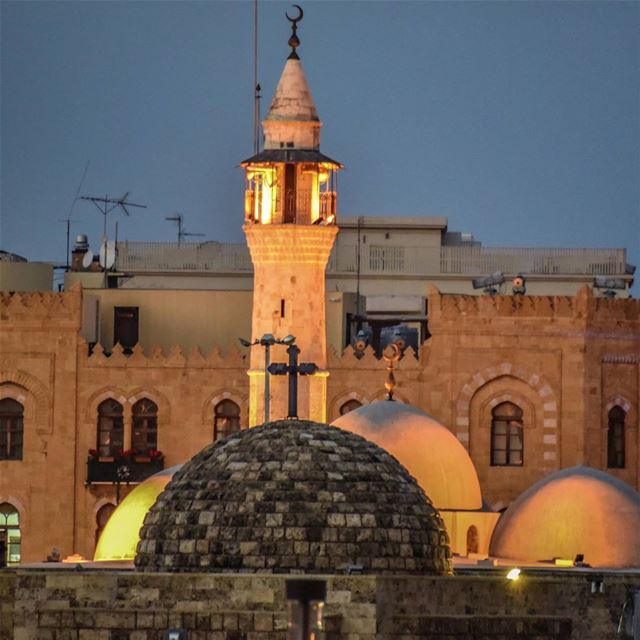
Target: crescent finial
<point>300,14</point>
<point>294,41</point>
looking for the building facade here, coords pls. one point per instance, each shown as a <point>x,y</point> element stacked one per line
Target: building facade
<point>528,384</point>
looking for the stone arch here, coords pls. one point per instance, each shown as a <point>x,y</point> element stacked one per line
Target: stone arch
<point>218,396</point>
<point>15,384</point>
<point>100,396</point>
<point>16,502</point>
<point>533,379</point>
<point>620,401</point>
<point>540,444</point>
<point>164,408</point>
<point>338,401</point>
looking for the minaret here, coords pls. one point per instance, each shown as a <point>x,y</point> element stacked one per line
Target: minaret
<point>290,224</point>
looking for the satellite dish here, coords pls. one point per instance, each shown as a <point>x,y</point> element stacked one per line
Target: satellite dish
<point>87,259</point>
<point>107,254</point>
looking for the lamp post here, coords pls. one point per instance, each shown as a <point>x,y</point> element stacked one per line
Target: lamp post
<point>122,475</point>
<point>267,341</point>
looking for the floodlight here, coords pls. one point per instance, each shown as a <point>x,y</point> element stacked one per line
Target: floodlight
<point>605,282</point>
<point>288,340</point>
<point>518,285</point>
<point>267,339</point>
<point>245,343</point>
<point>488,283</point>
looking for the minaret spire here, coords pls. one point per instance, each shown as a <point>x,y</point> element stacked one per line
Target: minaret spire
<point>294,41</point>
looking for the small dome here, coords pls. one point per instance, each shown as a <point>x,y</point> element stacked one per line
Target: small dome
<point>121,534</point>
<point>293,496</point>
<point>429,451</point>
<point>577,510</point>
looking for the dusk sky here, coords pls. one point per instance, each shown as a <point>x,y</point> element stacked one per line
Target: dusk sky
<point>518,121</point>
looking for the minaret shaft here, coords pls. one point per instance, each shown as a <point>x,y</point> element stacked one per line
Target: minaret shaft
<point>289,298</point>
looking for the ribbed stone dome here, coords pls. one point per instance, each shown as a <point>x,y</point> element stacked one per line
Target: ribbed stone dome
<point>293,497</point>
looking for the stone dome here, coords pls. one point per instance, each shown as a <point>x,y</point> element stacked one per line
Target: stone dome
<point>119,539</point>
<point>576,510</point>
<point>293,496</point>
<point>429,451</point>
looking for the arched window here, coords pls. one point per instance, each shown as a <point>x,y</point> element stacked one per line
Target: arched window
<point>144,435</point>
<point>226,419</point>
<point>9,535</point>
<point>472,539</point>
<point>349,405</point>
<point>110,428</point>
<point>615,438</point>
<point>102,517</point>
<point>507,443</point>
<point>11,429</point>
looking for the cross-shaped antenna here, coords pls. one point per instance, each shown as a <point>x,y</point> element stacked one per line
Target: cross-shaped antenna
<point>105,206</point>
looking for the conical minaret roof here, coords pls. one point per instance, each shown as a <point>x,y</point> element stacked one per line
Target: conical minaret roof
<point>293,101</point>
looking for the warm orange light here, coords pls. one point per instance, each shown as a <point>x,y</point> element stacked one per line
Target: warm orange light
<point>74,559</point>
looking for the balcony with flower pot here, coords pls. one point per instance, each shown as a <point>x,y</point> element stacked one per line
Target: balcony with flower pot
<point>126,467</point>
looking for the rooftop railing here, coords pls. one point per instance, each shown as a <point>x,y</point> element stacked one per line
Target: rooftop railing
<point>215,257</point>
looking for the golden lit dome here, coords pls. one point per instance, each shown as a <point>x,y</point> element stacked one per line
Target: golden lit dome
<point>120,536</point>
<point>578,510</point>
<point>428,450</point>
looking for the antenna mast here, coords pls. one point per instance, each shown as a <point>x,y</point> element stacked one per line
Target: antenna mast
<point>256,85</point>
<point>68,219</point>
<point>178,218</point>
<point>105,206</point>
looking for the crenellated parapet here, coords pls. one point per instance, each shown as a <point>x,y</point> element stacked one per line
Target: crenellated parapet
<point>40,309</point>
<point>156,357</point>
<point>583,306</point>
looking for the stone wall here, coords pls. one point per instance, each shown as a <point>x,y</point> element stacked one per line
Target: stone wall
<point>106,605</point>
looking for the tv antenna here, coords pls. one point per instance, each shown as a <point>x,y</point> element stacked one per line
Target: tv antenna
<point>105,206</point>
<point>178,218</point>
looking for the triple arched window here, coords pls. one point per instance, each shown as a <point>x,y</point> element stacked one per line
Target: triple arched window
<point>616,438</point>
<point>111,428</point>
<point>11,429</point>
<point>226,419</point>
<point>507,435</point>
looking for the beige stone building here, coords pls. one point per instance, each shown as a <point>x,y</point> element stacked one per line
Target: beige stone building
<point>101,387</point>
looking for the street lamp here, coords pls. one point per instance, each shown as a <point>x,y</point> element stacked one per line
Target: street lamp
<point>267,341</point>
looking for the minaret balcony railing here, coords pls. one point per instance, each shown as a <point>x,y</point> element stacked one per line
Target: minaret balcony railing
<point>304,206</point>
